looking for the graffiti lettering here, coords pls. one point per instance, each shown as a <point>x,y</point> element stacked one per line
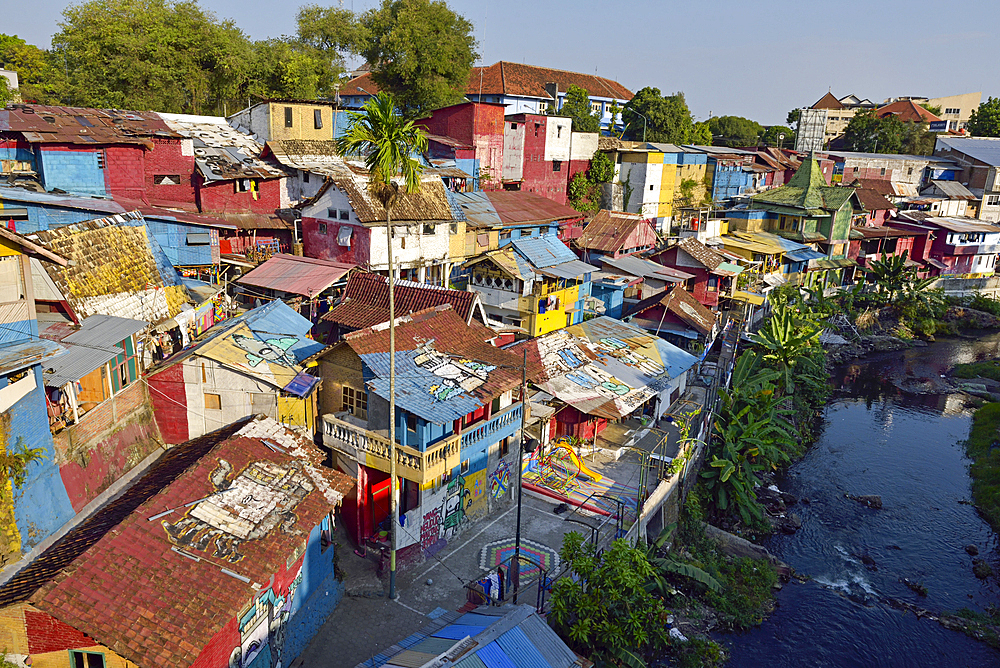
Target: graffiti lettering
<point>616,388</point>
<point>500,481</point>
<point>582,378</point>
<point>613,343</point>
<point>271,350</point>
<point>569,356</point>
<point>430,529</point>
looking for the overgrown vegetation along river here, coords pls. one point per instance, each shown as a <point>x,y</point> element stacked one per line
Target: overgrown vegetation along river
<point>907,448</point>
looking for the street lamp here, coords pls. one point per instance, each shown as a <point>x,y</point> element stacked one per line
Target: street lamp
<point>643,124</point>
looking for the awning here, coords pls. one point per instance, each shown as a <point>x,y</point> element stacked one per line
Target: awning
<point>301,385</point>
<point>14,356</point>
<point>804,255</point>
<point>774,280</point>
<point>936,263</point>
<point>727,269</point>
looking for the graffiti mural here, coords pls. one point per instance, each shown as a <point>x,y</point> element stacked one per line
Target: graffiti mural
<point>457,375</point>
<point>270,350</point>
<point>475,494</point>
<point>430,529</point>
<point>500,481</point>
<point>454,507</point>
<point>263,626</point>
<point>260,499</point>
<point>449,510</point>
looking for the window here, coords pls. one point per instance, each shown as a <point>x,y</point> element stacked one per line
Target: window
<point>595,107</point>
<point>288,117</point>
<point>537,125</point>
<point>318,119</point>
<point>557,165</point>
<point>558,131</point>
<point>505,447</point>
<point>213,402</point>
<point>713,284</point>
<point>882,172</point>
<point>123,374</point>
<point>167,180</point>
<point>355,402</point>
<point>505,234</point>
<point>952,110</point>
<point>513,126</point>
<point>345,214</point>
<point>322,228</point>
<point>909,172</point>
<point>305,176</point>
<point>243,185</point>
<point>465,466</point>
<point>445,478</point>
<point>429,228</point>
<point>411,423</point>
<point>992,200</point>
<point>452,228</point>
<point>542,108</point>
<point>650,186</point>
<point>80,659</point>
<point>101,159</point>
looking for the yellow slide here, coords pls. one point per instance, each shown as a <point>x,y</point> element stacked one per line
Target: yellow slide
<point>583,467</point>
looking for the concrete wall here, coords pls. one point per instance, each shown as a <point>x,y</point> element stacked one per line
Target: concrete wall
<point>513,150</point>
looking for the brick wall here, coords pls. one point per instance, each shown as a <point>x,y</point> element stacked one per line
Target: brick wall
<point>124,171</point>
<point>167,158</point>
<point>48,634</point>
<point>107,443</point>
<point>222,196</point>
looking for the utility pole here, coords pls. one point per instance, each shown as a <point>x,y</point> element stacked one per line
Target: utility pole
<point>393,502</point>
<point>520,462</point>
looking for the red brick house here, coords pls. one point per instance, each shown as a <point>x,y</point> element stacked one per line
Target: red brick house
<point>474,124</point>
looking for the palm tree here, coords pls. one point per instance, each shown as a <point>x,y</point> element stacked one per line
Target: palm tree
<point>387,142</point>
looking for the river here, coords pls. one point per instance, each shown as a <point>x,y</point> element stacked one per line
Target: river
<point>907,448</point>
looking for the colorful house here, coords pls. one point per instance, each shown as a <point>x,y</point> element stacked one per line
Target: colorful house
<point>220,555</point>
<point>615,234</point>
<point>542,154</point>
<point>457,423</point>
<point>958,247</point>
<point>536,284</point>
<point>678,317</point>
<point>41,505</point>
<point>249,365</point>
<point>286,277</point>
<point>307,120</point>
<point>625,280</point>
<point>524,214</point>
<point>711,272</point>
<point>603,370</point>
<point>471,124</point>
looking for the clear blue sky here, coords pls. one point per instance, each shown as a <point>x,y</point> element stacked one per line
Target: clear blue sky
<point>729,57</point>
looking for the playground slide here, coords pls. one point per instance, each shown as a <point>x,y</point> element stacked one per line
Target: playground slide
<point>583,467</point>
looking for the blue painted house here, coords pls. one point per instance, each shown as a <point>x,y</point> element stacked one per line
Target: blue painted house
<point>41,505</point>
<point>730,170</point>
<point>457,422</point>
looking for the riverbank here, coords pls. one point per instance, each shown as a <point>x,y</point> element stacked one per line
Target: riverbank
<point>983,448</point>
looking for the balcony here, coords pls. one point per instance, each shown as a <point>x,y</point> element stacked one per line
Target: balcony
<point>499,426</point>
<point>371,449</point>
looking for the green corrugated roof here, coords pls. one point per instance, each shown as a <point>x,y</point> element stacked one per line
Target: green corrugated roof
<point>807,190</point>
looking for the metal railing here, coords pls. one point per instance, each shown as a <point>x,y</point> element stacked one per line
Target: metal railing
<point>514,585</point>
<point>505,418</point>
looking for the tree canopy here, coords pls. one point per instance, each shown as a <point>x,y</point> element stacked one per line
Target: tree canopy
<point>668,118</point>
<point>734,131</point>
<point>867,133</point>
<point>985,121</point>
<point>576,106</point>
<point>420,51</point>
<point>770,137</point>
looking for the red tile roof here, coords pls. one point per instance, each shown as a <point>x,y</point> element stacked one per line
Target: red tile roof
<point>828,101</point>
<point>126,582</point>
<point>506,78</point>
<point>366,300</point>
<point>608,230</point>
<point>681,303</point>
<point>907,110</point>
<point>451,336</point>
<point>881,186</point>
<point>519,206</point>
<point>353,87</point>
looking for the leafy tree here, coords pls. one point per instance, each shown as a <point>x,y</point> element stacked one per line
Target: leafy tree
<point>792,118</point>
<point>576,106</point>
<point>288,68</point>
<point>890,275</point>
<point>665,564</point>
<point>27,60</point>
<point>985,121</point>
<point>770,137</point>
<point>917,140</point>
<point>701,134</point>
<point>334,31</point>
<point>868,133</point>
<point>420,51</point>
<point>584,188</point>
<point>734,131</point>
<point>933,108</point>
<point>604,611</point>
<point>668,117</point>
<point>7,94</point>
<point>148,54</point>
<point>602,168</point>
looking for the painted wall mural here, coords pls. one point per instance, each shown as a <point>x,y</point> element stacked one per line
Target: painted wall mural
<point>476,500</point>
<point>269,359</point>
<point>500,481</point>
<point>264,625</point>
<point>448,512</point>
<point>456,375</point>
<point>258,500</point>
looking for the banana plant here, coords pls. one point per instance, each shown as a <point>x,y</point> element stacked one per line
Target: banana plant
<point>786,339</point>
<point>658,584</point>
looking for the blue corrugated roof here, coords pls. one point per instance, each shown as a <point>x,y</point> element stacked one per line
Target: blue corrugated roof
<point>546,251</point>
<point>458,631</point>
<point>67,201</point>
<point>476,208</point>
<point>804,255</point>
<point>14,356</point>
<point>473,619</point>
<point>493,656</point>
<point>520,650</point>
<point>278,318</point>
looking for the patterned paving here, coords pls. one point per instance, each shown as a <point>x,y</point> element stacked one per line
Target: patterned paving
<point>502,552</point>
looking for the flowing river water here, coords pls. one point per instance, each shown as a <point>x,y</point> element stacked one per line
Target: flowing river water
<point>908,448</point>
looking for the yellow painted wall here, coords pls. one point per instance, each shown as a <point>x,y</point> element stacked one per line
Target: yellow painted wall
<point>297,412</point>
<point>14,641</point>
<point>693,172</point>
<point>543,323</point>
<point>9,248</point>
<point>302,121</point>
<point>668,184</point>
<point>60,659</point>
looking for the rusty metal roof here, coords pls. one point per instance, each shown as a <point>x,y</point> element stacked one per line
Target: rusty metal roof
<point>478,209</point>
<point>366,300</point>
<point>608,230</point>
<point>299,275</point>
<point>317,156</point>
<point>681,303</point>
<point>40,124</point>
<point>526,207</point>
<point>449,141</point>
<point>222,152</point>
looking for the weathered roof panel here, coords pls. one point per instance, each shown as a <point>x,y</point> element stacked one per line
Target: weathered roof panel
<point>365,300</point>
<point>608,230</point>
<point>79,125</point>
<point>14,356</point>
<point>526,207</point>
<point>299,275</point>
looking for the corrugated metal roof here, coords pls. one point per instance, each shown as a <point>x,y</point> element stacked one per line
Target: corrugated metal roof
<point>953,189</point>
<point>429,202</point>
<point>222,152</point>
<point>681,303</point>
<point>105,330</point>
<point>608,230</point>
<point>985,150</point>
<point>79,125</point>
<point>459,631</point>
<point>636,266</point>
<point>568,270</point>
<point>492,656</point>
<point>545,251</point>
<point>299,275</point>
<point>544,639</point>
<point>478,209</point>
<point>316,156</point>
<point>521,651</point>
<point>10,194</point>
<point>14,356</point>
<point>366,300</point>
<point>75,364</point>
<point>527,207</point>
